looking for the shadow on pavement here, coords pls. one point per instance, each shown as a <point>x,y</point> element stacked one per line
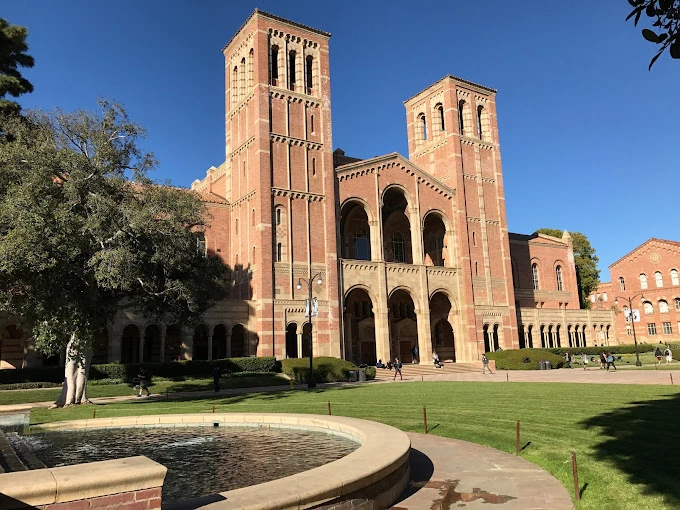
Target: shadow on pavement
<point>643,441</point>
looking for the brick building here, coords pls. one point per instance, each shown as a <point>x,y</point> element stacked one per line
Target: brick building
<point>411,251</point>
<point>648,276</point>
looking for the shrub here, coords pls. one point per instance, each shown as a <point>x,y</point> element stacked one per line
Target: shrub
<point>515,359</point>
<point>594,351</point>
<point>675,351</point>
<point>125,372</point>
<point>370,373</point>
<point>28,385</point>
<point>325,369</point>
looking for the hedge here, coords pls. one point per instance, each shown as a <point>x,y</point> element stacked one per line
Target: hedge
<point>125,372</point>
<point>594,351</point>
<point>28,386</point>
<point>514,359</point>
<point>326,369</point>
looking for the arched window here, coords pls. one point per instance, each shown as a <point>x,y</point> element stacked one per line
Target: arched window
<point>278,216</point>
<point>278,252</point>
<point>658,278</point>
<point>311,123</point>
<point>649,309</point>
<point>421,128</point>
<point>314,166</point>
<point>251,71</point>
<point>234,85</point>
<point>677,304</point>
<point>275,66</point>
<point>474,239</point>
<point>308,74</point>
<point>252,218</point>
<point>622,283</point>
<point>643,281</point>
<point>236,227</point>
<point>461,121</point>
<point>480,132</point>
<point>674,277</point>
<point>253,259</point>
<point>362,245</point>
<point>201,245</point>
<point>439,110</point>
<point>663,306</point>
<point>558,277</point>
<point>399,247</point>
<point>291,69</point>
<point>242,79</point>
<point>476,268</point>
<point>534,275</point>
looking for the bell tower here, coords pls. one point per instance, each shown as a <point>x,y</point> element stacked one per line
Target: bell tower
<point>280,183</point>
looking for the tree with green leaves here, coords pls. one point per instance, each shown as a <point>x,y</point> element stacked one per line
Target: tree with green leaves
<point>84,234</point>
<point>585,260</point>
<point>666,16</point>
<point>13,55</point>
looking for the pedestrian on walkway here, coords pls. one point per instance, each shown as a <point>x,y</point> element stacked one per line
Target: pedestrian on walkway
<point>603,360</point>
<point>610,361</point>
<point>657,353</point>
<point>668,354</point>
<point>397,369</point>
<point>217,375</point>
<point>485,364</point>
<point>143,378</point>
<point>584,357</point>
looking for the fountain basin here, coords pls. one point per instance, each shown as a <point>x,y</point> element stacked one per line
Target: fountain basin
<point>377,471</point>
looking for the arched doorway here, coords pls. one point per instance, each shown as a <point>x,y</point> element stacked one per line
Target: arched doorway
<point>291,341</point>
<point>219,342</point>
<point>129,344</point>
<point>584,337</point>
<point>487,338</point>
<point>238,341</point>
<point>396,227</point>
<point>442,337</point>
<point>360,328</point>
<point>306,339</point>
<point>152,343</point>
<point>522,337</point>
<point>100,351</point>
<point>200,350</point>
<point>558,340</point>
<point>403,325</point>
<point>530,336</point>
<point>355,232</point>
<point>496,337</point>
<point>173,343</point>
<point>434,233</point>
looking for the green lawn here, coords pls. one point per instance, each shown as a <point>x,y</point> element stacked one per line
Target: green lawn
<point>117,390</point>
<point>626,437</point>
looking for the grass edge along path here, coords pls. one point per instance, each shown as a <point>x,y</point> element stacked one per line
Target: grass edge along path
<point>625,436</point>
<point>242,380</point>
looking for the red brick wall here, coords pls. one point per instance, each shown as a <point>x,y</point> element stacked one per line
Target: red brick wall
<point>136,500</point>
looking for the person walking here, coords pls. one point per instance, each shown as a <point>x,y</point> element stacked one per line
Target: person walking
<point>603,360</point>
<point>435,359</point>
<point>610,361</point>
<point>485,364</point>
<point>668,354</point>
<point>397,369</point>
<point>584,358</point>
<point>143,377</point>
<point>217,375</point>
<point>657,353</point>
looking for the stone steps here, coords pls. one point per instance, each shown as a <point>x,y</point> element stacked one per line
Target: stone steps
<point>411,370</point>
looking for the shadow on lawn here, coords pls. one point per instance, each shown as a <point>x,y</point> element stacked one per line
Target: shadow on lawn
<point>643,441</point>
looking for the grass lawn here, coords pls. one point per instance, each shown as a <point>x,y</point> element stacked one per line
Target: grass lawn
<point>117,390</point>
<point>626,437</point>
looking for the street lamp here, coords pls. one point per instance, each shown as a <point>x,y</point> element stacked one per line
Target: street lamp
<point>319,281</point>
<point>632,322</point>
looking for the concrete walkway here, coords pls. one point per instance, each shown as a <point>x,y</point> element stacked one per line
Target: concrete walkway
<point>449,473</point>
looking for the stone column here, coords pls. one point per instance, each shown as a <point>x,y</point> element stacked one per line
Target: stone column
<point>382,335</point>
<point>349,351</point>
<point>299,344</point>
<point>375,240</point>
<point>416,236</point>
<point>188,345</point>
<point>424,334</point>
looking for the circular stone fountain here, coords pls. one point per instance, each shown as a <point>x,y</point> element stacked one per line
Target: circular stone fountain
<point>336,461</point>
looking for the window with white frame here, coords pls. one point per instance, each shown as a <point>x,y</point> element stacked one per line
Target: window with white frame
<point>677,304</point>
<point>649,308</point>
<point>659,279</point>
<point>674,277</point>
<point>604,297</point>
<point>651,329</point>
<point>622,283</point>
<point>663,306</point>
<point>643,281</point>
<point>629,331</point>
<point>667,328</point>
<point>558,277</point>
<point>534,276</point>
<point>399,247</point>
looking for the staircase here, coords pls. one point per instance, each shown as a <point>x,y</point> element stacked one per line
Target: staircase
<point>16,454</point>
<point>425,370</point>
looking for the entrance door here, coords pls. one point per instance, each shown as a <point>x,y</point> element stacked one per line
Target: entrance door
<point>405,351</point>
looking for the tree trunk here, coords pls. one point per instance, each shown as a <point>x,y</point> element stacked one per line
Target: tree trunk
<point>76,372</point>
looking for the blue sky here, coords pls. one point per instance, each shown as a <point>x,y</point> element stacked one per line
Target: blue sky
<point>590,140</point>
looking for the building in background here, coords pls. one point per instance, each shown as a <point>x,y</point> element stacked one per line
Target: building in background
<point>648,275</point>
<point>412,251</point>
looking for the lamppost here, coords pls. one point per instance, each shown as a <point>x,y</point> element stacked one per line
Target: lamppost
<point>632,322</point>
<point>319,281</point>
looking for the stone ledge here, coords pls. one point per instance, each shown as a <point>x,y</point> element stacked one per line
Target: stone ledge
<point>82,481</point>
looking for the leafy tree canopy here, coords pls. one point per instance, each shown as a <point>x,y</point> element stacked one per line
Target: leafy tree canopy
<point>666,16</point>
<point>13,55</point>
<point>585,260</point>
<point>85,233</point>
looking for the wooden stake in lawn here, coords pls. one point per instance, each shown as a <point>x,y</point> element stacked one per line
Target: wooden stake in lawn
<point>574,467</point>
<point>425,418</point>
<point>329,408</point>
<point>671,378</point>
<point>94,414</point>
<point>507,377</point>
<point>213,408</point>
<point>517,440</point>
